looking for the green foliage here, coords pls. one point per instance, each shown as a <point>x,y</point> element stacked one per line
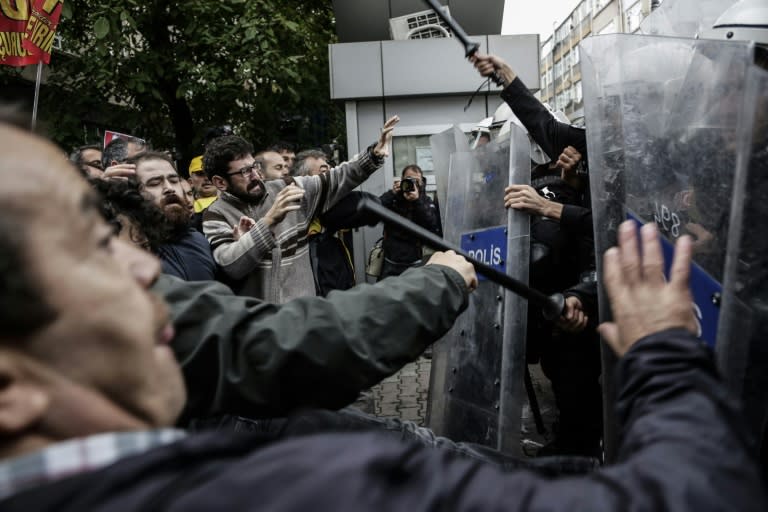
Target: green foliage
<point>180,67</point>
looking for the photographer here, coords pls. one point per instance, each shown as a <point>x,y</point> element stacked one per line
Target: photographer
<point>408,199</point>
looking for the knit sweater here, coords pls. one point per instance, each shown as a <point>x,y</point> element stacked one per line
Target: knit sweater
<point>272,263</point>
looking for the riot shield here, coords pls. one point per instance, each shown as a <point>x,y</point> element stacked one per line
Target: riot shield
<point>443,145</point>
<point>477,385</point>
<point>742,338</point>
<point>684,18</point>
<point>663,118</point>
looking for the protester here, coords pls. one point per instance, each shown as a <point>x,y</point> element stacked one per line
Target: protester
<point>311,162</point>
<point>273,263</point>
<point>90,387</point>
<point>204,191</point>
<point>117,152</point>
<point>185,253</point>
<point>286,150</point>
<point>88,160</point>
<point>134,217</point>
<point>272,165</point>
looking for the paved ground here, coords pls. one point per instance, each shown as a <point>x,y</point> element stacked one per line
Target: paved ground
<point>404,396</point>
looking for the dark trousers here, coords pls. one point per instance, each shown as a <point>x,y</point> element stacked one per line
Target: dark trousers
<point>353,420</point>
<point>572,364</point>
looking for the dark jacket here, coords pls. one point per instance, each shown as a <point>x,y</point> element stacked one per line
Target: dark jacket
<point>399,246</point>
<point>246,357</point>
<point>188,258</point>
<point>549,133</point>
<point>683,449</point>
<point>330,249</point>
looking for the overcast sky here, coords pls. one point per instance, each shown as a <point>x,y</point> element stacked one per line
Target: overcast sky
<point>535,16</point>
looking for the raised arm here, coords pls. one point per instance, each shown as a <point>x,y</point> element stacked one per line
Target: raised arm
<point>244,356</point>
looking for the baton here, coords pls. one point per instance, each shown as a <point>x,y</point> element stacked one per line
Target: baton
<point>552,306</point>
<point>470,47</point>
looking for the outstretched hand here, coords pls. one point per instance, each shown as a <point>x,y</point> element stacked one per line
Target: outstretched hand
<point>642,301</point>
<point>287,200</point>
<point>457,263</point>
<point>385,139</point>
<point>121,171</point>
<point>243,227</point>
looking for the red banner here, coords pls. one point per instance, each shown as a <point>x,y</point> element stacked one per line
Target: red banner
<point>27,29</point>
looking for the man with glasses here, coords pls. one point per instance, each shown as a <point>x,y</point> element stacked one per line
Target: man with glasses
<point>272,261</point>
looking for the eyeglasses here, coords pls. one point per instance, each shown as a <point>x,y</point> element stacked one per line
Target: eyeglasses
<point>246,172</point>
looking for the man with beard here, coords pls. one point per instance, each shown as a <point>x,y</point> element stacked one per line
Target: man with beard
<point>186,253</point>
<point>271,261</point>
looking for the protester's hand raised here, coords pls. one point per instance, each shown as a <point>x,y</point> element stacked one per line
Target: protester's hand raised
<point>287,200</point>
<point>457,263</point>
<point>385,139</point>
<point>642,301</point>
<point>243,227</point>
<point>119,171</point>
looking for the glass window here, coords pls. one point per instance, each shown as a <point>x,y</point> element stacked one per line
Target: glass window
<point>609,28</point>
<point>575,56</point>
<point>634,16</point>
<point>578,92</point>
<point>413,149</point>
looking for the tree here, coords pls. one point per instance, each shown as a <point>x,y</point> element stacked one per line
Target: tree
<point>180,67</point>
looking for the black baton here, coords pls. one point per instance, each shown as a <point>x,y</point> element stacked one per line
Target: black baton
<point>470,47</point>
<point>552,306</point>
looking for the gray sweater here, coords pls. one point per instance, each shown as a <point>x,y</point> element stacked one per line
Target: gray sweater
<point>273,264</point>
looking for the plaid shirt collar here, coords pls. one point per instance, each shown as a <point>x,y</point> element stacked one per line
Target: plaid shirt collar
<point>77,456</point>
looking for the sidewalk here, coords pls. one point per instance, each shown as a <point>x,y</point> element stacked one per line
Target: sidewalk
<point>404,395</point>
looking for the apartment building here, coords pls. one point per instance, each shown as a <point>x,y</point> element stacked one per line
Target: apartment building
<point>560,59</point>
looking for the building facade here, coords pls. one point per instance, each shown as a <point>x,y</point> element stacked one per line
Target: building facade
<point>560,73</point>
<point>428,82</point>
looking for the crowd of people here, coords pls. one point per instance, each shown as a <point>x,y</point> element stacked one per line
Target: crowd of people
<point>173,343</point>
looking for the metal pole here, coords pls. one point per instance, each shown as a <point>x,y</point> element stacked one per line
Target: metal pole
<point>552,306</point>
<point>37,94</point>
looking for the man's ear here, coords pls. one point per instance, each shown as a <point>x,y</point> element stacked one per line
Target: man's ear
<point>219,182</point>
<point>23,400</point>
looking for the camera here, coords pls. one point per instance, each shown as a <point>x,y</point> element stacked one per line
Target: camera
<point>409,184</point>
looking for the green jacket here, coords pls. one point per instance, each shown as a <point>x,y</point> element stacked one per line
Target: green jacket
<point>243,356</point>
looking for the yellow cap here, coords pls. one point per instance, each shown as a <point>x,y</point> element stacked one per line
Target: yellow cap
<point>196,164</point>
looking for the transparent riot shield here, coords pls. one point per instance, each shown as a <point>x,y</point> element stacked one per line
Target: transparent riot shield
<point>663,118</point>
<point>443,145</point>
<point>477,385</point>
<point>742,338</point>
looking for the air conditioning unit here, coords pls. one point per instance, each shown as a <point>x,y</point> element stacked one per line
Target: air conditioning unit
<point>419,25</point>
